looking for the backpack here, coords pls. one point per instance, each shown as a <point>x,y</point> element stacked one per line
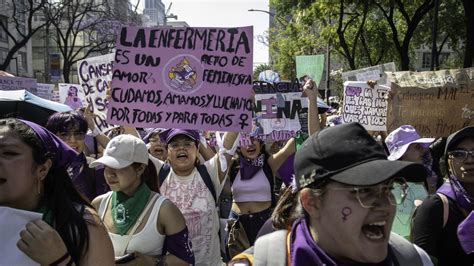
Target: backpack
<point>166,168</point>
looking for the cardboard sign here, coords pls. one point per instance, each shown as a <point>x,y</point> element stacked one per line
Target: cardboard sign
<point>45,91</point>
<point>365,105</point>
<point>94,75</point>
<point>436,103</point>
<point>195,78</point>
<point>370,73</point>
<point>16,83</point>
<point>71,95</point>
<point>311,65</point>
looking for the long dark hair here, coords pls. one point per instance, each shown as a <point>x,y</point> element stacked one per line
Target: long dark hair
<point>60,197</point>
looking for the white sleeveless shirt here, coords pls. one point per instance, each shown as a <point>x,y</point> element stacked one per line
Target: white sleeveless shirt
<point>148,241</point>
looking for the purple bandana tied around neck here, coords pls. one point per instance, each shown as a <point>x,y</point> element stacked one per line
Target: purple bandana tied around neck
<point>465,232</point>
<point>303,249</point>
<point>248,168</point>
<point>63,156</point>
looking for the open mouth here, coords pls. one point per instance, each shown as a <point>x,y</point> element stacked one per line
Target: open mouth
<point>2,180</point>
<point>375,230</point>
<point>182,156</point>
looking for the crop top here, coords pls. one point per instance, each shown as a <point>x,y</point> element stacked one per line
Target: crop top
<point>256,188</point>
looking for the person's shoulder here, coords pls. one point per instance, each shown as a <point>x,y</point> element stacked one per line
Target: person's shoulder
<point>432,201</point>
<point>91,217</point>
<point>97,200</point>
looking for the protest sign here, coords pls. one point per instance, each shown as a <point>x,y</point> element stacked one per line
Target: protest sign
<point>13,222</point>
<point>195,78</point>
<point>365,105</point>
<point>436,103</point>
<point>94,75</point>
<point>278,114</point>
<point>311,65</point>
<point>71,95</point>
<point>370,73</point>
<point>16,83</point>
<point>45,91</point>
<point>401,223</point>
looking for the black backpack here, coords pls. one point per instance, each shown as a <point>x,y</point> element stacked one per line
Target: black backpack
<point>166,168</point>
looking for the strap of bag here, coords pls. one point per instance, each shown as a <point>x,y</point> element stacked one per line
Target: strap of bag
<point>166,169</point>
<point>130,233</point>
<point>270,249</point>
<point>404,251</point>
<point>444,199</point>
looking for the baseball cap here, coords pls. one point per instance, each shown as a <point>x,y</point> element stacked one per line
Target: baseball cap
<point>398,141</point>
<point>347,154</point>
<point>457,136</point>
<point>173,132</point>
<point>122,151</point>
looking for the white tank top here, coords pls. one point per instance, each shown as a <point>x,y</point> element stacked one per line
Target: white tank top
<point>148,241</point>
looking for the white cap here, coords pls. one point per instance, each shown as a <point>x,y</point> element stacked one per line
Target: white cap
<point>122,151</point>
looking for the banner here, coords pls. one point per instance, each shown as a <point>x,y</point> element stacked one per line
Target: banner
<point>71,95</point>
<point>16,83</point>
<point>370,73</point>
<point>436,103</point>
<point>45,91</point>
<point>195,78</point>
<point>94,75</point>
<point>365,105</point>
<point>311,65</point>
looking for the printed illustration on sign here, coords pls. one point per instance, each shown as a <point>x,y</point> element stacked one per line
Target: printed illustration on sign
<point>182,74</point>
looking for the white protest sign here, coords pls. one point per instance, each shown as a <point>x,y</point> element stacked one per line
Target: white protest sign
<point>13,222</point>
<point>365,105</point>
<point>94,75</point>
<point>280,111</point>
<point>376,73</point>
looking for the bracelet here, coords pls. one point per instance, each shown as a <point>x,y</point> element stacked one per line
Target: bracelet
<point>63,258</point>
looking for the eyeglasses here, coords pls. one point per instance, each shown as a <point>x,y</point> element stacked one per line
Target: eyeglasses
<point>460,155</point>
<point>177,145</point>
<point>396,191</point>
<point>68,135</point>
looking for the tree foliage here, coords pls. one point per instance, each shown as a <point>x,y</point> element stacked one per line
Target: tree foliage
<point>364,33</point>
<point>20,26</point>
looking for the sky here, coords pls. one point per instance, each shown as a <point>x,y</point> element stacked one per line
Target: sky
<point>225,13</point>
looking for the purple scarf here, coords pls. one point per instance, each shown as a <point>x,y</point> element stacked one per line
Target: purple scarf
<point>465,231</point>
<point>305,251</point>
<point>248,168</point>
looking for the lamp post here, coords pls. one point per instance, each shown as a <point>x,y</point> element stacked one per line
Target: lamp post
<point>283,22</point>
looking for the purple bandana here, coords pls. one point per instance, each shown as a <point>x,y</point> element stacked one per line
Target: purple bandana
<point>248,168</point>
<point>63,156</point>
<point>305,251</point>
<point>456,192</point>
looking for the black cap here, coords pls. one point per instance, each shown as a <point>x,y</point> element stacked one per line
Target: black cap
<point>457,136</point>
<point>348,154</point>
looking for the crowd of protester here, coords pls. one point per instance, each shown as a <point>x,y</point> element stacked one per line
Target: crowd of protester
<point>158,196</point>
